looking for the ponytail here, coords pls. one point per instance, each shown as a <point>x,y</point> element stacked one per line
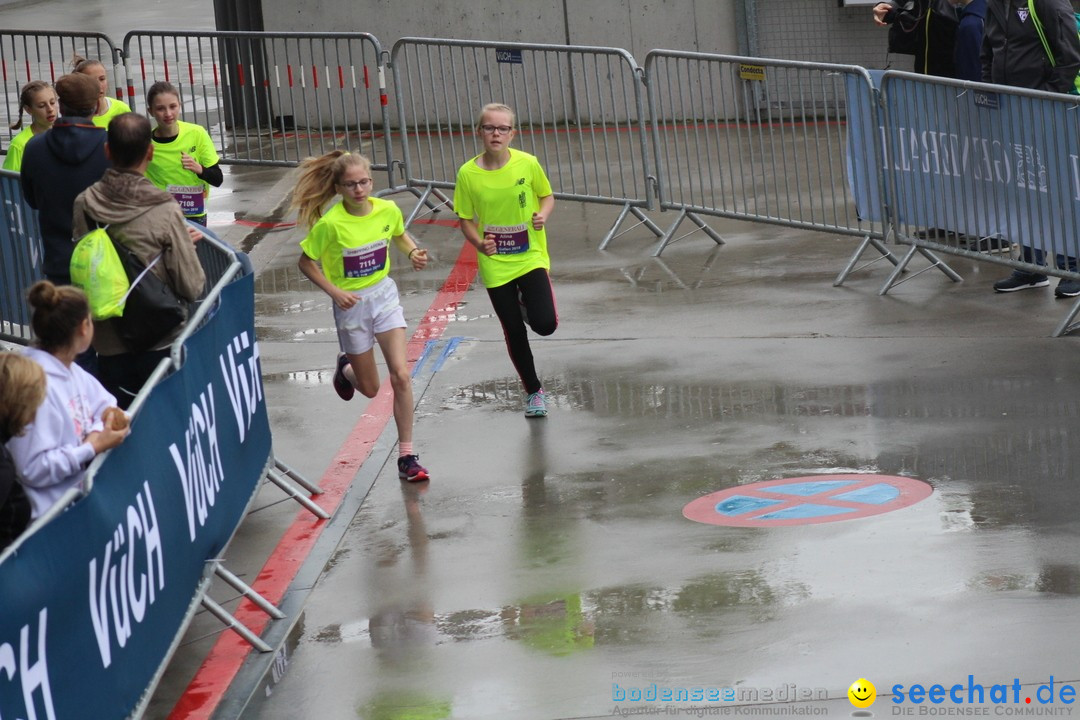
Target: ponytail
<point>26,96</point>
<point>57,314</point>
<point>80,64</point>
<point>318,180</point>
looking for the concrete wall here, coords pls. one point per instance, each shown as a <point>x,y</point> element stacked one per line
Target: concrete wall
<point>635,25</point>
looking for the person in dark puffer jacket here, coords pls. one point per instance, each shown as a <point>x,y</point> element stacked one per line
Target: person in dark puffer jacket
<point>59,164</point>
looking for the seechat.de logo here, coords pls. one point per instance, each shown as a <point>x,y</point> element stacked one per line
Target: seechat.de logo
<point>862,693</point>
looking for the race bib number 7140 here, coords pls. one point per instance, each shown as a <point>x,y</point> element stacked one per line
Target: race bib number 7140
<point>509,239</point>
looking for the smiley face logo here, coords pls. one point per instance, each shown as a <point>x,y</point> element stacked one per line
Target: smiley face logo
<point>862,693</point>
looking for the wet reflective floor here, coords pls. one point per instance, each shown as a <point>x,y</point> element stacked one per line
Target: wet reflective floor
<point>547,567</point>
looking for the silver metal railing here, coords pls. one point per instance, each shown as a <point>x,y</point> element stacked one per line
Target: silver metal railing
<point>27,55</point>
<point>983,171</point>
<point>761,140</point>
<point>21,257</point>
<point>270,98</point>
<point>579,109</point>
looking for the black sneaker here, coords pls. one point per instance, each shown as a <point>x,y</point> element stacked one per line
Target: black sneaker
<point>409,468</point>
<point>342,386</point>
<point>989,245</point>
<point>1067,288</point>
<point>1021,280</point>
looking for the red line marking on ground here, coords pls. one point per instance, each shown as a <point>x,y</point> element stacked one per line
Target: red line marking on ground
<point>271,225</point>
<point>208,687</point>
<point>444,222</point>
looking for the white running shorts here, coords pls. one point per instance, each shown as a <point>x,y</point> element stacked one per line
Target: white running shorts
<point>378,309</point>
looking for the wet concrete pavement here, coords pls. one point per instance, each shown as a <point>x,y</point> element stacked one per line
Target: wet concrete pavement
<point>549,561</point>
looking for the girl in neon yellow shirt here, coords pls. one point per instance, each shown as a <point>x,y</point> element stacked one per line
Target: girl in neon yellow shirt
<point>504,201</point>
<point>107,107</point>
<point>185,162</point>
<point>347,255</point>
<point>38,100</point>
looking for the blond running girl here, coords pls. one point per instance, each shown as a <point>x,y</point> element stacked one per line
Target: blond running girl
<point>346,254</point>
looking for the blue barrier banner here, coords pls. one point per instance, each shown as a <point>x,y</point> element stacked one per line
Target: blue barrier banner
<point>968,160</point>
<point>20,252</point>
<point>984,163</point>
<point>93,601</point>
<point>862,133</point>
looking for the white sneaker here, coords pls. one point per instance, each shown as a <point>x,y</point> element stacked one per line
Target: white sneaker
<point>535,406</point>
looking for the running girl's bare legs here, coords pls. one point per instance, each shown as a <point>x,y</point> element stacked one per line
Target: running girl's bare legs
<point>363,373</point>
<point>393,345</point>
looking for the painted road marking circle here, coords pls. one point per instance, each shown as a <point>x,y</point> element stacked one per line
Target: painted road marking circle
<point>807,500</point>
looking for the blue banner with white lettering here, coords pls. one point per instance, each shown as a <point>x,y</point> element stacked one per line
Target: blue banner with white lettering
<point>979,161</point>
<point>92,601</point>
<point>20,255</point>
<point>863,169</point>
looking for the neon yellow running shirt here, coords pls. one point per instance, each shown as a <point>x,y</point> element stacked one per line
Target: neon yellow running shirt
<point>13,160</point>
<point>167,171</point>
<point>503,202</point>
<point>116,107</point>
<point>355,250</point>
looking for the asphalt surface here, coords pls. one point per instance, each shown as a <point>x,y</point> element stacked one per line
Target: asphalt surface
<point>547,566</point>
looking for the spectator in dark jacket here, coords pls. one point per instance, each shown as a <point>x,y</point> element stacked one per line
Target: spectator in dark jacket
<point>1013,54</point>
<point>923,28</point>
<point>59,164</point>
<point>22,390</point>
<point>967,50</point>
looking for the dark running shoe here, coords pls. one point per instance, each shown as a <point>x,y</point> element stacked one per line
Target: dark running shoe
<point>989,245</point>
<point>342,386</point>
<point>409,468</point>
<point>1021,280</point>
<point>1067,288</point>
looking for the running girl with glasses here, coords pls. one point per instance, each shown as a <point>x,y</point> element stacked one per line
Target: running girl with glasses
<point>346,254</point>
<point>504,201</point>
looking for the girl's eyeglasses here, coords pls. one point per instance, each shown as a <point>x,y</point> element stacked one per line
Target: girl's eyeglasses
<point>492,129</point>
<point>353,184</point>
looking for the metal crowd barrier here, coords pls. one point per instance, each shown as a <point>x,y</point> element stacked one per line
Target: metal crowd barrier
<point>761,140</point>
<point>270,98</point>
<point>214,377</point>
<point>983,171</point>
<point>21,257</point>
<point>579,109</point>
<point>27,55</point>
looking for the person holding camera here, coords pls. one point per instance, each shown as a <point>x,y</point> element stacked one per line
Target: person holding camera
<point>923,28</point>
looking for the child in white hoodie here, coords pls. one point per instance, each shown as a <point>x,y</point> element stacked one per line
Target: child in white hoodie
<point>71,426</point>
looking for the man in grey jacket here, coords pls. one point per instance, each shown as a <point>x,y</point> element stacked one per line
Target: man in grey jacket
<point>148,221</point>
<point>1014,54</point>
